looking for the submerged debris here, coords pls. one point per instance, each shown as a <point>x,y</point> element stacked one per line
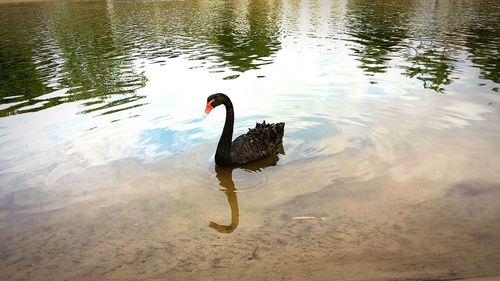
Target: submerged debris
<point>254,254</point>
<point>303,218</point>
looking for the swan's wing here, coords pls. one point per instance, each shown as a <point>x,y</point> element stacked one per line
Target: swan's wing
<point>257,143</point>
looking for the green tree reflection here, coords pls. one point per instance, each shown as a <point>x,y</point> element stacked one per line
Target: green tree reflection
<point>65,53</point>
<point>484,50</point>
<point>483,41</point>
<point>431,63</point>
<point>436,43</point>
<point>97,67</point>
<point>378,27</point>
<point>247,43</point>
<point>20,80</point>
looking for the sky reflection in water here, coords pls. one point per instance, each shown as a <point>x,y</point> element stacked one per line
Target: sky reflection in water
<point>106,80</point>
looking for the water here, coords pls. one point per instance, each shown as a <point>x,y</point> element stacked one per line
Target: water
<point>389,163</point>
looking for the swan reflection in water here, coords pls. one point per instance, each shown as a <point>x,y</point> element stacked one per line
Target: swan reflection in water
<point>225,177</point>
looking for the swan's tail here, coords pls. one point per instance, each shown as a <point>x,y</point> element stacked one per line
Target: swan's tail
<point>272,131</point>
<point>279,129</point>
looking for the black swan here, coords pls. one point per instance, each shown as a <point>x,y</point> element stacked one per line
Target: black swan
<point>256,144</point>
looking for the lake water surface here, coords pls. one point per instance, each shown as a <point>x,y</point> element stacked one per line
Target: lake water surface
<point>390,167</point>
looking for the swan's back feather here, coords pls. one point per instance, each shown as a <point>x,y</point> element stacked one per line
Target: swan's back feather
<point>257,143</point>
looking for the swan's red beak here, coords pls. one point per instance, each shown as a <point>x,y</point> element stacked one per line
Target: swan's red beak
<point>208,108</point>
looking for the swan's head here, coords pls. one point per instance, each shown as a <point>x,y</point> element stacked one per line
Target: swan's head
<point>213,101</point>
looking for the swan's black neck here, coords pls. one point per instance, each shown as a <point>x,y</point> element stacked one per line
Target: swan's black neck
<point>223,153</point>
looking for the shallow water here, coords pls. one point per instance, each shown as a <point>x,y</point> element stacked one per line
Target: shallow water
<point>390,161</point>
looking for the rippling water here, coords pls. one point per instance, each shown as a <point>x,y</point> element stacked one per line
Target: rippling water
<point>80,66</point>
<point>388,105</point>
